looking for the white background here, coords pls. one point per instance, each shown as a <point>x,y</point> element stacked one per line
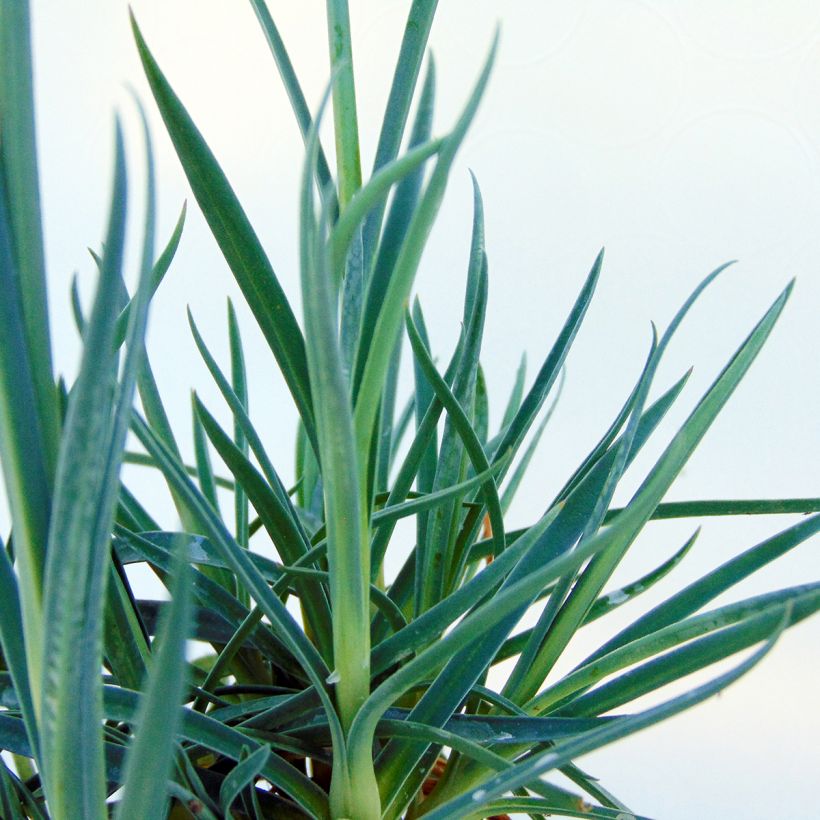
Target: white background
<point>678,135</point>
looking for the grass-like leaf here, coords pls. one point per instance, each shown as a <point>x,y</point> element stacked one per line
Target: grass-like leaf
<point>9,800</point>
<point>467,633</point>
<point>721,507</point>
<point>408,66</point>
<point>345,117</point>
<point>473,446</point>
<point>292,86</point>
<point>155,548</point>
<point>287,628</point>
<point>606,603</point>
<point>461,441</point>
<point>160,267</point>
<point>514,482</point>
<point>78,541</point>
<point>538,806</point>
<point>552,365</point>
<point>352,689</point>
<point>649,495</point>
<point>150,757</point>
<point>563,751</point>
<point>125,643</point>
<point>375,359</point>
<point>438,618</point>
<point>236,237</point>
<point>276,519</point>
<point>85,496</point>
<point>21,192</point>
<point>26,469</point>
<point>239,383</point>
<point>242,774</point>
<point>706,589</point>
<point>370,195</point>
<point>120,704</point>
<point>378,273</point>
<point>699,653</point>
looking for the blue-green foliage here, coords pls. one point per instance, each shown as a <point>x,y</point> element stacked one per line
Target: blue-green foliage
<point>320,686</point>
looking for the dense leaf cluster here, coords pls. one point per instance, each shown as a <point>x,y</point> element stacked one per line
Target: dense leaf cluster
<point>369,698</point>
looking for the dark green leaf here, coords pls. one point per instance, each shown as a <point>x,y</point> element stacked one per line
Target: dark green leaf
<point>241,776</point>
<point>235,236</point>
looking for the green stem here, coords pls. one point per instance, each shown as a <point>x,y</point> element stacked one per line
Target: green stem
<point>345,119</point>
<point>353,791</point>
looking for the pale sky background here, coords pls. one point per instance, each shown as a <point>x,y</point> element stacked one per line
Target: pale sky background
<point>678,135</point>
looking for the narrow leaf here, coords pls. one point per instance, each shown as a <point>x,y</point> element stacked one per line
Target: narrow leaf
<point>408,65</point>
<point>374,358</point>
<point>149,760</point>
<point>20,191</point>
<point>565,751</point>
<point>706,589</point>
<point>85,494</point>
<point>292,87</point>
<point>241,776</point>
<point>235,236</point>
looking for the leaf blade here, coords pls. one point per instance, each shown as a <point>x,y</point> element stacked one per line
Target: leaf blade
<point>235,235</point>
<point>149,759</point>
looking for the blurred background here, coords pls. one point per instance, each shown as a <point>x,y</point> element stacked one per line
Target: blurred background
<point>677,135</point>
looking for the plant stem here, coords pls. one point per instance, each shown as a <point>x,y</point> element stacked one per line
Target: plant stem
<point>345,119</point>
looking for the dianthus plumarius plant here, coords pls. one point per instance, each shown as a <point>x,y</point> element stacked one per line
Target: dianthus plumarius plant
<point>321,687</point>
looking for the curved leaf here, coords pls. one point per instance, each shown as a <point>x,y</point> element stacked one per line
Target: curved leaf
<point>242,775</point>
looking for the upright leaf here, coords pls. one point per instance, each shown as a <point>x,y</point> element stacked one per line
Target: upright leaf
<point>125,643</point>
<point>150,757</point>
<point>373,361</point>
<point>345,117</point>
<point>652,490</point>
<point>72,743</point>
<point>292,87</point>
<point>25,460</point>
<point>239,381</point>
<point>550,369</point>
<point>405,76</point>
<point>86,493</point>
<point>235,236</point>
<point>18,166</point>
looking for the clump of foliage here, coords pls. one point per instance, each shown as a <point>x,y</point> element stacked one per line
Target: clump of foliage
<point>374,701</point>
